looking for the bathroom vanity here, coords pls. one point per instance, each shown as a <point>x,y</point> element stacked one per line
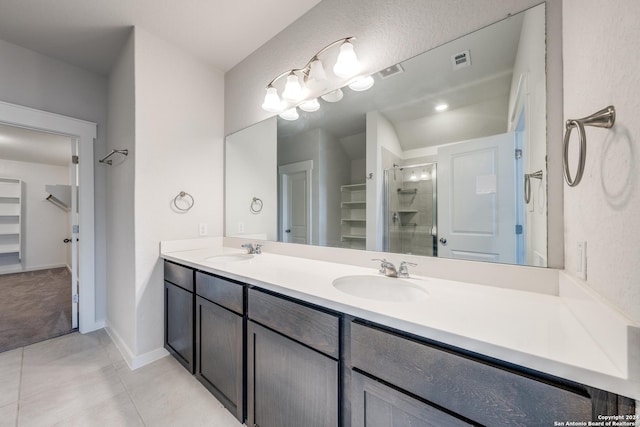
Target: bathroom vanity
<point>276,352</point>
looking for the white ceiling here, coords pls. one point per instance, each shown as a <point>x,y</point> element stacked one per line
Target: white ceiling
<point>25,145</point>
<point>90,33</point>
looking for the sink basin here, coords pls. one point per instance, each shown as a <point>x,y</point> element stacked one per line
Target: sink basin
<point>380,288</point>
<point>229,258</point>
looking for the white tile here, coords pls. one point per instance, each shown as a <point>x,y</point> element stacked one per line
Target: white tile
<point>166,394</point>
<point>10,365</point>
<point>118,411</point>
<point>52,403</point>
<point>8,415</point>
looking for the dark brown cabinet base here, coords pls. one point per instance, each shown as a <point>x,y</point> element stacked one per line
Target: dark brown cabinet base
<point>289,385</point>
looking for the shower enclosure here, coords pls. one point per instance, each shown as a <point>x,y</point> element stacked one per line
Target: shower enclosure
<point>410,209</point>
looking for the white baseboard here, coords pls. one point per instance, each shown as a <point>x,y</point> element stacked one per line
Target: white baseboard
<point>134,362</point>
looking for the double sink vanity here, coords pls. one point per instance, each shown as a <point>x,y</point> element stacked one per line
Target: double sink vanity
<point>290,341</point>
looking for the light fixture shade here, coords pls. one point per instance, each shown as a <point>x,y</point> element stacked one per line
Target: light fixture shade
<point>290,114</point>
<point>293,89</point>
<point>310,106</point>
<point>272,101</point>
<point>413,176</point>
<point>316,71</point>
<point>363,83</point>
<point>347,64</point>
<point>333,96</point>
<point>442,107</point>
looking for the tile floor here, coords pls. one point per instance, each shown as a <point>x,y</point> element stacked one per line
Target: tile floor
<point>82,380</point>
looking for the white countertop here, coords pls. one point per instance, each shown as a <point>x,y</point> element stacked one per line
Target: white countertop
<point>537,331</point>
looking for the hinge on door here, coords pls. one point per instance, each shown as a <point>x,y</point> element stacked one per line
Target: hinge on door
<point>75,229</point>
<point>518,229</point>
<point>75,160</point>
<point>75,298</point>
<point>518,153</point>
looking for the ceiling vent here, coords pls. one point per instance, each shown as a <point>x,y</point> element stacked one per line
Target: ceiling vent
<point>391,71</point>
<point>461,60</point>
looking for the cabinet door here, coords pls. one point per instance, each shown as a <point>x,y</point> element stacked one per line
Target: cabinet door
<point>373,404</point>
<point>289,385</point>
<point>178,324</point>
<point>219,352</point>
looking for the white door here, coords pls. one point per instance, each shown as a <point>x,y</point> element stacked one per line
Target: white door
<point>75,235</point>
<point>295,202</point>
<point>476,199</point>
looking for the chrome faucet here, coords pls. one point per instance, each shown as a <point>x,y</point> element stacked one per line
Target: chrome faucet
<point>403,271</point>
<point>251,249</point>
<point>387,268</point>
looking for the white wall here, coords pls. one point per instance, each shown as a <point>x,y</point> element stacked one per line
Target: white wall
<point>179,147</point>
<point>601,68</point>
<point>45,225</point>
<point>251,170</point>
<point>334,170</point>
<point>120,195</point>
<point>380,134</point>
<point>37,81</point>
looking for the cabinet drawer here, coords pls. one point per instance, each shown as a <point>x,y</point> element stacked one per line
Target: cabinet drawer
<point>178,275</point>
<point>476,390</point>
<point>221,291</point>
<point>311,327</point>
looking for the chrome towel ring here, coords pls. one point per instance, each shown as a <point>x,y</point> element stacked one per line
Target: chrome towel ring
<point>256,205</point>
<point>527,184</point>
<point>604,118</point>
<point>188,199</point>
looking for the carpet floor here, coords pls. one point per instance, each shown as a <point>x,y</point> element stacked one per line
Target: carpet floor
<point>34,306</point>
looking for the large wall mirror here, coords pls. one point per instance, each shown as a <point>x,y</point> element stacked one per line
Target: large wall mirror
<point>444,156</point>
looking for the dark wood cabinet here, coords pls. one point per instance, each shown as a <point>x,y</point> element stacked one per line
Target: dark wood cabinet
<point>178,314</point>
<point>220,340</point>
<point>377,405</point>
<point>292,374</point>
<point>474,389</point>
<point>275,361</point>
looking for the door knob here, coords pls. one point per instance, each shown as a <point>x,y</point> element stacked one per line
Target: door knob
<point>443,241</point>
<point>288,230</point>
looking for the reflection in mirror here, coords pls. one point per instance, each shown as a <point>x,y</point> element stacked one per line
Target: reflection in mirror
<point>430,161</point>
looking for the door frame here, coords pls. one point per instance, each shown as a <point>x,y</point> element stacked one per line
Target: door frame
<point>85,133</point>
<point>303,166</point>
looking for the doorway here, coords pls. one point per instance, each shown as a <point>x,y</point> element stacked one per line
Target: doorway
<point>83,135</point>
<point>295,202</point>
<point>38,257</point>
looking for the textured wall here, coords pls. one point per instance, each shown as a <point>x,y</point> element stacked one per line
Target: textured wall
<point>601,68</point>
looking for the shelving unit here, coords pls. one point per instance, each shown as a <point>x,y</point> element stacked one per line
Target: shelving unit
<point>11,217</point>
<point>353,216</point>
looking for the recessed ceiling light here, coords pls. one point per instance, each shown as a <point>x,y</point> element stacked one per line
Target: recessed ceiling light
<point>442,107</point>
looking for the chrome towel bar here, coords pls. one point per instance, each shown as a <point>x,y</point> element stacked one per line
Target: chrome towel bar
<point>604,118</point>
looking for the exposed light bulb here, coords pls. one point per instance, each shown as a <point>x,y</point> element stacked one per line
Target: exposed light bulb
<point>290,114</point>
<point>293,89</point>
<point>272,102</point>
<point>347,64</point>
<point>310,106</point>
<point>363,83</point>
<point>333,96</point>
<point>442,107</point>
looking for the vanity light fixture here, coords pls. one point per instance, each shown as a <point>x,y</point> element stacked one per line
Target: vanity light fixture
<point>333,96</point>
<point>442,107</point>
<point>290,114</point>
<point>301,82</point>
<point>363,83</point>
<point>310,106</point>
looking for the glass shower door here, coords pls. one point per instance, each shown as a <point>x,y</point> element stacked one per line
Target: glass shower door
<point>410,194</point>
